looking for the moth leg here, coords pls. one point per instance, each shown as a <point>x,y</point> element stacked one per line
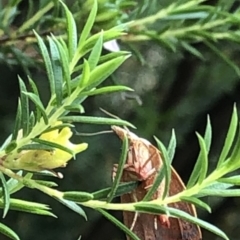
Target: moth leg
<point>164,220</point>
<point>149,173</point>
<point>155,223</point>
<point>56,174</point>
<point>134,221</point>
<point>148,186</point>
<point>115,167</point>
<point>135,215</point>
<point>114,171</point>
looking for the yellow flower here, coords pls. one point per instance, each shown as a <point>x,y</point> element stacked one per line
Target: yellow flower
<point>38,160</point>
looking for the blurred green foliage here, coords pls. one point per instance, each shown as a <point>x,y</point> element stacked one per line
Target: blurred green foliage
<point>179,79</point>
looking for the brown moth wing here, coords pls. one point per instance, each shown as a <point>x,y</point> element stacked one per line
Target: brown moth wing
<point>184,230</point>
<point>141,224</point>
<point>148,226</point>
<point>143,163</point>
<point>189,230</point>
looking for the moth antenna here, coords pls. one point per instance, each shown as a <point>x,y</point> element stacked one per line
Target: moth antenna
<point>113,116</point>
<point>109,114</point>
<point>134,221</point>
<point>135,215</point>
<point>92,134</point>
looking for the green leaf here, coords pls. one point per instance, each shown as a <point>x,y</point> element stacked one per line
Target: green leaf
<point>222,56</point>
<point>83,82</point>
<point>166,167</point>
<point>107,15</point>
<point>36,18</point>
<point>235,180</point>
<point>88,26</point>
<point>197,168</point>
<point>167,43</point>
<point>105,58</point>
<point>120,169</point>
<point>101,72</point>
<point>208,135</point>
<point>214,187</point>
<point>156,183</point>
<point>32,121</point>
<point>24,108</point>
<point>96,120</point>
<point>57,71</point>
<point>119,224</point>
<point>8,232</point>
<point>6,142</point>
<point>47,62</point>
<point>35,91</point>
<point>123,188</point>
<point>71,32</point>
<point>230,137</point>
<point>36,100</point>
<point>182,15</point>
<point>58,127</point>
<point>85,32</point>
<point>14,185</point>
<point>46,183</point>
<point>19,57</point>
<point>112,55</point>
<point>220,193</point>
<point>30,207</point>
<point>18,121</point>
<point>10,147</point>
<point>172,146</point>
<point>203,159</point>
<point>36,146</point>
<point>77,196</point>
<point>192,50</point>
<point>73,206</point>
<point>6,195</point>
<point>33,86</point>
<point>107,36</point>
<point>95,53</point>
<point>105,90</point>
<point>75,108</point>
<point>77,82</point>
<point>64,64</point>
<point>63,46</point>
<point>232,163</point>
<point>53,145</point>
<point>197,202</point>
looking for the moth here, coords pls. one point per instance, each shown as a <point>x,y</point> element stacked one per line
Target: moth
<point>143,163</point>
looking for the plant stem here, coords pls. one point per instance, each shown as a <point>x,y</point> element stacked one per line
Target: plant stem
<point>30,183</point>
<point>165,12</point>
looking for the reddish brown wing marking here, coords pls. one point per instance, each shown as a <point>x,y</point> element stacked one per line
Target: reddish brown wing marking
<point>145,225</point>
<point>143,162</point>
<point>189,231</point>
<point>179,228</point>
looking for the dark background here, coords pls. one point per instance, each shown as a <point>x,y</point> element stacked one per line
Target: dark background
<point>178,91</point>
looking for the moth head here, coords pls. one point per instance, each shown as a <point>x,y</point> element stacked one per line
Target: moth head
<point>123,132</point>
